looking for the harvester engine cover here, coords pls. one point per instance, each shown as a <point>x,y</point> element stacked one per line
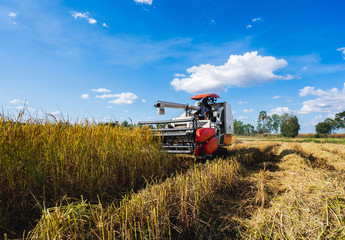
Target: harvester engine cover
<point>204,134</point>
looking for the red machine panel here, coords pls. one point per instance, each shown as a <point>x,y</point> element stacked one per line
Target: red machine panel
<point>202,134</point>
<point>211,145</point>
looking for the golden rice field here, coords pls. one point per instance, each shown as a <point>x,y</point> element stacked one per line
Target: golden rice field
<point>86,181</point>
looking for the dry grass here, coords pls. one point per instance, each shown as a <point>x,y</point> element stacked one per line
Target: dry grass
<point>308,200</point>
<point>180,207</point>
<point>41,162</point>
<point>201,203</point>
<point>262,190</point>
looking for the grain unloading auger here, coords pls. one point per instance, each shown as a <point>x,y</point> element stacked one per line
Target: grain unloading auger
<point>189,134</point>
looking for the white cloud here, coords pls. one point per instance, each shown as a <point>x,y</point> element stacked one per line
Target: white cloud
<point>330,101</point>
<point>143,100</point>
<point>311,91</point>
<point>104,96</point>
<point>108,107</point>
<point>249,26</point>
<point>240,70</point>
<point>79,15</point>
<point>149,2</point>
<point>342,50</point>
<point>12,14</point>
<point>92,20</point>
<point>256,19</point>
<point>239,102</point>
<point>105,25</point>
<point>25,108</point>
<point>124,98</point>
<point>248,110</point>
<point>276,97</point>
<point>56,113</point>
<point>330,115</point>
<point>242,117</point>
<point>316,120</point>
<point>101,90</point>
<point>280,111</point>
<point>179,75</point>
<point>212,21</point>
<point>83,16</point>
<point>17,101</point>
<point>85,96</point>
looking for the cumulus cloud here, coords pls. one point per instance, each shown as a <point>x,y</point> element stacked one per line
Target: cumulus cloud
<point>281,111</point>
<point>276,97</point>
<point>240,70</point>
<point>149,2</point>
<point>101,90</point>
<point>342,50</point>
<point>124,98</point>
<point>311,91</point>
<point>83,16</point>
<point>143,100</point>
<point>249,26</point>
<point>330,101</point>
<point>179,75</point>
<point>18,101</point>
<point>105,25</point>
<point>248,110</point>
<point>104,96</point>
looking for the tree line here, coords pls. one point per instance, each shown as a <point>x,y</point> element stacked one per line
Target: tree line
<point>287,124</point>
<point>330,125</point>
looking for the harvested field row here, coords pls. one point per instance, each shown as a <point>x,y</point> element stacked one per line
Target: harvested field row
<point>306,200</point>
<point>274,192</point>
<point>184,207</point>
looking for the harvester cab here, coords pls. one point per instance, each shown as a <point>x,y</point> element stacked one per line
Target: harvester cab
<point>189,134</point>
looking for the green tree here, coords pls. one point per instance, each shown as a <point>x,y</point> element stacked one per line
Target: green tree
<point>340,120</point>
<point>248,129</point>
<point>289,125</point>
<point>238,127</point>
<point>326,127</point>
<point>125,123</point>
<point>264,122</point>
<point>276,120</point>
<point>243,129</point>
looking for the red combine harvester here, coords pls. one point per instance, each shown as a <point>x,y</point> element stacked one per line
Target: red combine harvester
<point>191,134</point>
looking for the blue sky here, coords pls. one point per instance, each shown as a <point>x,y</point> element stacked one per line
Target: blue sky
<point>114,59</point>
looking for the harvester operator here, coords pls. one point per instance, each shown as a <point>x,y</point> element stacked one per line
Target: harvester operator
<point>205,110</point>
